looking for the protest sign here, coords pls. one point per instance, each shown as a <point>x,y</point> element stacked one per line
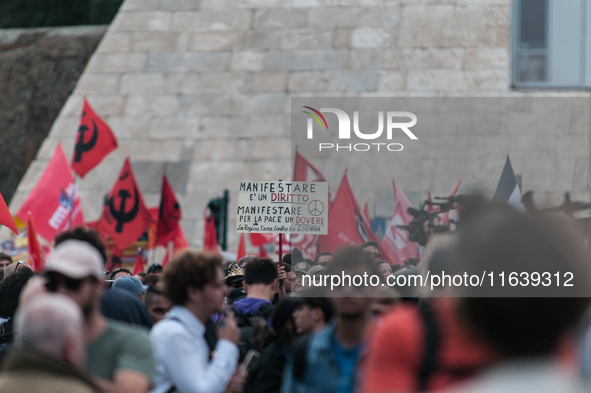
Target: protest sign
<point>282,207</point>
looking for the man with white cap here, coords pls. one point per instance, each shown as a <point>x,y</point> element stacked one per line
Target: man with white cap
<point>119,355</point>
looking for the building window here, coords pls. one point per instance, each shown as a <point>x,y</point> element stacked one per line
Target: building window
<point>551,44</point>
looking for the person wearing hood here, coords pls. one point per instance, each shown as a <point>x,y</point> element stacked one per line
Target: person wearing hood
<point>260,284</point>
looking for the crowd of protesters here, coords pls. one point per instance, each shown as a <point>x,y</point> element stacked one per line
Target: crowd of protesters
<point>205,325</point>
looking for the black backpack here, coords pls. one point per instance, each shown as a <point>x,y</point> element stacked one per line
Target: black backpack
<point>254,330</point>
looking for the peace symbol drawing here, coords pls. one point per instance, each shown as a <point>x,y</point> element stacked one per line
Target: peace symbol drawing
<point>315,208</point>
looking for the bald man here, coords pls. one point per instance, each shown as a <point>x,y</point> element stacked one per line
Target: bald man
<point>50,352</point>
<point>14,267</point>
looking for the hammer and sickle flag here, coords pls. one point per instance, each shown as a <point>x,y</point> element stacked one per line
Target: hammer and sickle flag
<point>94,141</point>
<point>125,216</point>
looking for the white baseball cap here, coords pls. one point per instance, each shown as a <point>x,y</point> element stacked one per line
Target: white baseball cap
<point>76,259</point>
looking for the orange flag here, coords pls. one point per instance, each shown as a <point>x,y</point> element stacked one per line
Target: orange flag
<point>35,253</point>
<point>241,248</point>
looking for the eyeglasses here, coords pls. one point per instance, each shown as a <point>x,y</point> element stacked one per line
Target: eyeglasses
<point>17,265</point>
<point>54,280</point>
<point>375,255</point>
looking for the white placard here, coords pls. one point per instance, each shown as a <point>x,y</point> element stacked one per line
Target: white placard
<point>282,207</point>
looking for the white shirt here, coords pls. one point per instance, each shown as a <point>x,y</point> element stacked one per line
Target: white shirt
<point>182,356</point>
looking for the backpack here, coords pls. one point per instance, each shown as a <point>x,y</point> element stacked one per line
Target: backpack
<point>254,330</point>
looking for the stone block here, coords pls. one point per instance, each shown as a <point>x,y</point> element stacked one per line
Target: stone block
<point>215,4</point>
<point>310,3</point>
<point>436,80</point>
<point>105,104</point>
<point>239,104</point>
<point>414,58</point>
<point>342,38</point>
<point>261,39</point>
<point>65,127</point>
<point>360,59</point>
<point>147,105</point>
<point>486,58</point>
<point>306,38</point>
<point>265,82</point>
<point>212,19</point>
<point>97,84</point>
<point>116,62</point>
<point>115,42</point>
<point>334,17</point>
<point>280,18</point>
<point>129,126</point>
<point>247,61</point>
<point>142,83</point>
<point>196,105</point>
<point>370,37</point>
<point>154,41</point>
<point>73,106</point>
<point>308,81</point>
<point>142,21</point>
<point>263,149</point>
<point>151,149</point>
<point>214,40</point>
<point>364,80</point>
<point>382,16</point>
<point>305,59</point>
<point>392,58</point>
<point>190,61</point>
<point>174,127</point>
<point>392,81</point>
<point>215,150</point>
<point>491,79</point>
<point>160,5</point>
<point>208,82</point>
<point>242,126</point>
<point>454,26</point>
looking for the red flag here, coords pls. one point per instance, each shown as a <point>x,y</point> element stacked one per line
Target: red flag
<point>347,224</point>
<point>125,216</point>
<point>35,253</point>
<point>263,252</point>
<point>241,248</point>
<point>304,170</point>
<point>169,214</point>
<point>260,239</point>
<point>54,201</point>
<point>366,211</point>
<point>94,141</point>
<point>396,246</point>
<point>210,237</point>
<point>139,264</point>
<point>5,216</point>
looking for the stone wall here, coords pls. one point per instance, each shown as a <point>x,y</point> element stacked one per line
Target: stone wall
<point>205,86</point>
<point>38,71</point>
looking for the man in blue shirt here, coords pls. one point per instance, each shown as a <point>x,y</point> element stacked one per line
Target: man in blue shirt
<point>329,360</point>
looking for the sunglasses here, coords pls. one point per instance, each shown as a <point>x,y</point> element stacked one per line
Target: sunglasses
<point>54,280</point>
<point>376,255</point>
<point>17,265</point>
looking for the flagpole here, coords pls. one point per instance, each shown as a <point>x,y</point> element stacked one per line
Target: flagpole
<point>170,250</point>
<point>74,189</point>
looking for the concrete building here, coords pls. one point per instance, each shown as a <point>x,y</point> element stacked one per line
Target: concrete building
<point>205,86</point>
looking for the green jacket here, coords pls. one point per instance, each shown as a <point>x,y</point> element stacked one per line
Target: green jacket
<point>33,372</point>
